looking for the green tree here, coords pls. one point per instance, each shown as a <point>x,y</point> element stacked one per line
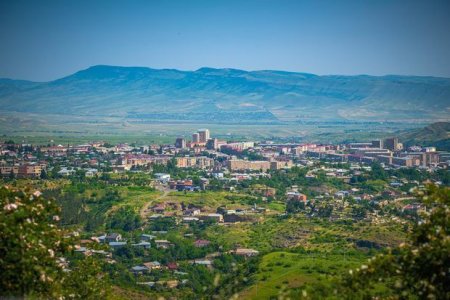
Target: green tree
<point>378,172</point>
<point>44,174</point>
<point>125,219</point>
<point>294,206</point>
<point>325,211</point>
<point>419,268</point>
<point>86,280</point>
<point>31,244</point>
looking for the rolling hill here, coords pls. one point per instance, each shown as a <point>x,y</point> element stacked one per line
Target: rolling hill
<point>140,94</point>
<point>436,134</point>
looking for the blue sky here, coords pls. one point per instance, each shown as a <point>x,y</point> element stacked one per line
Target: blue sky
<point>45,40</point>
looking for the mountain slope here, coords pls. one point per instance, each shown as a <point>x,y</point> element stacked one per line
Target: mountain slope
<point>228,94</point>
<point>436,134</point>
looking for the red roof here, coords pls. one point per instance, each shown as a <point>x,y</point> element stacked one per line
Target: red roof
<point>172,266</point>
<point>201,243</point>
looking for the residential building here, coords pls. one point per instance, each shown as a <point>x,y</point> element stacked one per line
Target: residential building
<point>403,161</point>
<point>385,159</point>
<point>195,138</point>
<point>113,237</point>
<point>391,144</point>
<point>245,252</point>
<point>200,162</point>
<point>31,170</point>
<point>154,265</point>
<point>296,196</point>
<point>378,144</point>
<point>180,143</point>
<point>203,135</point>
<point>212,144</point>
<point>163,244</point>
<point>239,164</point>
<point>282,164</point>
<point>214,217</point>
<point>201,243</point>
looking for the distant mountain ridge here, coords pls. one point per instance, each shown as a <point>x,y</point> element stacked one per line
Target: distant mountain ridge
<point>207,94</point>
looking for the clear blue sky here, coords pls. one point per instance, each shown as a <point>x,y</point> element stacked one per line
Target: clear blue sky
<point>45,40</point>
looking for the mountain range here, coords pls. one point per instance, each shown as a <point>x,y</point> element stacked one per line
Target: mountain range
<point>140,94</point>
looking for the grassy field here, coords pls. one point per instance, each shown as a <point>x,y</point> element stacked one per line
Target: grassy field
<point>136,197</point>
<point>41,129</point>
<point>208,200</point>
<point>280,272</point>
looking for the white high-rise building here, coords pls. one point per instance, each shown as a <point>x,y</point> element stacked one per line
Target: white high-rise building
<point>203,135</point>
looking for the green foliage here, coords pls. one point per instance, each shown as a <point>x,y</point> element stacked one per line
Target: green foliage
<point>162,224</point>
<point>325,211</point>
<point>86,280</point>
<point>43,174</point>
<point>235,274</point>
<point>444,176</point>
<point>295,206</point>
<point>359,212</point>
<point>31,244</point>
<point>125,218</point>
<point>378,172</point>
<point>417,269</point>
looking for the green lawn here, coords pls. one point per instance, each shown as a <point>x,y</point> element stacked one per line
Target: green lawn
<point>136,197</point>
<point>279,272</point>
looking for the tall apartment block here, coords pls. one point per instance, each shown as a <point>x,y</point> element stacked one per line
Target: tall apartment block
<point>196,138</point>
<point>378,144</point>
<point>203,135</point>
<point>180,143</point>
<point>391,144</point>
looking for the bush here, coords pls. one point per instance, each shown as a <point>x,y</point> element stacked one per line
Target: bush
<point>30,245</point>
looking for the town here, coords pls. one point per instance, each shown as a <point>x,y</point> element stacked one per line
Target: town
<point>238,160</point>
<point>251,150</point>
<point>160,215</point>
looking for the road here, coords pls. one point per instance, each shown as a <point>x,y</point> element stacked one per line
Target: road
<point>145,209</point>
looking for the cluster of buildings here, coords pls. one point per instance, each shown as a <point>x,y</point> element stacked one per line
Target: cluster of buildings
<point>388,152</point>
<point>194,214</point>
<point>114,241</point>
<point>205,153</point>
<point>34,161</point>
<point>202,140</point>
<point>258,165</point>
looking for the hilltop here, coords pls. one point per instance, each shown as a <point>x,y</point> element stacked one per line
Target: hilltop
<point>140,94</point>
<point>437,134</point>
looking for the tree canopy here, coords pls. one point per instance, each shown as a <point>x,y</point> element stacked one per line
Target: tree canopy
<point>33,251</point>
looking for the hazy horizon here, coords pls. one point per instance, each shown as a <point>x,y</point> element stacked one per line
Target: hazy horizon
<point>47,40</point>
<point>222,68</point>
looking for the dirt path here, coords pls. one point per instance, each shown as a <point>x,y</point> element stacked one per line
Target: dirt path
<point>144,210</point>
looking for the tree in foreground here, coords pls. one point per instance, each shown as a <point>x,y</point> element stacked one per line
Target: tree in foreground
<point>31,250</point>
<point>417,269</point>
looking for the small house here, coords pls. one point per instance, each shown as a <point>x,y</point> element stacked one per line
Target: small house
<point>113,237</point>
<point>163,244</point>
<point>172,266</point>
<point>142,244</point>
<point>245,252</point>
<point>201,243</point>
<point>147,237</point>
<point>154,265</point>
<point>116,245</point>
